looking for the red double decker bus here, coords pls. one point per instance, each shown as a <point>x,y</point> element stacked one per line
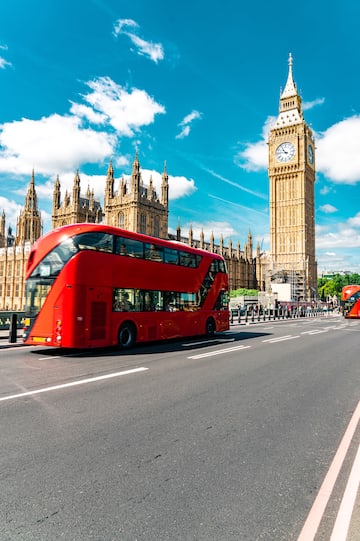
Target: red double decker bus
<point>350,301</point>
<point>90,285</point>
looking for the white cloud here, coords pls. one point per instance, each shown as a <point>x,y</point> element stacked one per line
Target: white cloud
<point>125,111</point>
<point>50,145</point>
<point>254,156</point>
<point>355,221</point>
<point>58,144</point>
<point>178,186</point>
<point>3,62</point>
<point>338,151</point>
<point>340,235</point>
<point>12,211</point>
<point>130,28</point>
<point>185,124</point>
<point>328,209</point>
<point>306,105</point>
<point>83,111</point>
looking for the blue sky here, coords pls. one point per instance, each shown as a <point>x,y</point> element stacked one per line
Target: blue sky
<point>193,83</point>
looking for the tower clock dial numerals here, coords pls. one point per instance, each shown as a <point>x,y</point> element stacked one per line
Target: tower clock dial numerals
<point>285,152</point>
<point>310,154</point>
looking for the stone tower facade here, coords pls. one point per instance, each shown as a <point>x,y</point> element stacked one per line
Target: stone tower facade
<point>137,207</point>
<point>76,208</point>
<point>292,212</point>
<point>15,249</point>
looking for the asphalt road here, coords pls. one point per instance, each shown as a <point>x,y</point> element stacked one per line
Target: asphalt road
<point>201,440</point>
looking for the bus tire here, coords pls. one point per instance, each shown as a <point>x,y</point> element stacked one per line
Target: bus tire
<point>210,327</point>
<point>127,336</point>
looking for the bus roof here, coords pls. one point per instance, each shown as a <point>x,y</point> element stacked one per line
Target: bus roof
<point>49,240</point>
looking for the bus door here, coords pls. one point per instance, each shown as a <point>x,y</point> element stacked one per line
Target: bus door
<point>98,315</point>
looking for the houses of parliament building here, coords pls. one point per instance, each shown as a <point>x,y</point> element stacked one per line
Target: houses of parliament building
<point>137,207</point>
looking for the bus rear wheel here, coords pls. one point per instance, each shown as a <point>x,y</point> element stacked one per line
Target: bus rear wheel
<point>127,336</point>
<point>210,327</point>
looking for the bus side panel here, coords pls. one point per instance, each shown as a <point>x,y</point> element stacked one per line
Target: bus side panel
<point>72,316</point>
<point>99,317</point>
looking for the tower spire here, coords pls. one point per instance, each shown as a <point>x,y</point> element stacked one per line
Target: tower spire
<point>290,87</point>
<point>290,111</point>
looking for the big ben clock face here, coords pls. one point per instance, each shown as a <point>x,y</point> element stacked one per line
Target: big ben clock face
<point>285,152</point>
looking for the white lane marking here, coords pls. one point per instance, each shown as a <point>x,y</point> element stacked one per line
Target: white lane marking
<point>73,383</point>
<point>49,357</point>
<point>314,331</point>
<point>218,352</point>
<point>343,518</point>
<point>213,341</point>
<point>318,508</point>
<point>281,338</point>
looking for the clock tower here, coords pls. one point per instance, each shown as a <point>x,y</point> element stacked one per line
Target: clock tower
<point>292,213</point>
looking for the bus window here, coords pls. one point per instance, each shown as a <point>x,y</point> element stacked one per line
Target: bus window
<point>123,300</point>
<point>131,247</point>
<point>188,302</point>
<point>55,260</point>
<point>102,242</point>
<point>153,252</point>
<point>222,302</point>
<point>222,266</point>
<point>189,260</point>
<point>153,300</point>
<point>171,256</point>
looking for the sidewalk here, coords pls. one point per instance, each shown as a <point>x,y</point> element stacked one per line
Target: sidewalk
<point>5,339</point>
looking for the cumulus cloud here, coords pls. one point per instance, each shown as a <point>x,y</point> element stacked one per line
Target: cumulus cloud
<point>328,209</point>
<point>179,186</point>
<point>340,235</point>
<point>130,28</point>
<point>90,133</point>
<point>185,124</point>
<point>51,144</point>
<point>125,111</point>
<point>338,151</point>
<point>254,156</point>
<point>12,210</point>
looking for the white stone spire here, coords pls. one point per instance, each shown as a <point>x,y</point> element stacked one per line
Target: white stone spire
<point>290,87</point>
<point>290,111</point>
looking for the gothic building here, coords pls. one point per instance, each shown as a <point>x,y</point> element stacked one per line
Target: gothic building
<point>75,209</point>
<point>292,214</point>
<point>14,251</point>
<point>137,207</point>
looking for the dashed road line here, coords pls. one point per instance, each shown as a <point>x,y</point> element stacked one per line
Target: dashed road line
<point>218,352</point>
<point>282,338</point>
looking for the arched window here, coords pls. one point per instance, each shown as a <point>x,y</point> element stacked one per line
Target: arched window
<point>121,219</point>
<point>143,224</point>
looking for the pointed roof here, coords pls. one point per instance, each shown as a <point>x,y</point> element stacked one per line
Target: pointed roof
<point>290,87</point>
<point>290,111</point>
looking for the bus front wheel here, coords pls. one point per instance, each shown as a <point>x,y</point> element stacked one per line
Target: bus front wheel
<point>210,327</point>
<point>127,336</point>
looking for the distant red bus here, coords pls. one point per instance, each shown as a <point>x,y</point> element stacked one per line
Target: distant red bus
<point>350,301</point>
<point>90,285</point>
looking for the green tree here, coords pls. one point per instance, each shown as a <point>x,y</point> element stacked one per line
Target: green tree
<point>333,286</point>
